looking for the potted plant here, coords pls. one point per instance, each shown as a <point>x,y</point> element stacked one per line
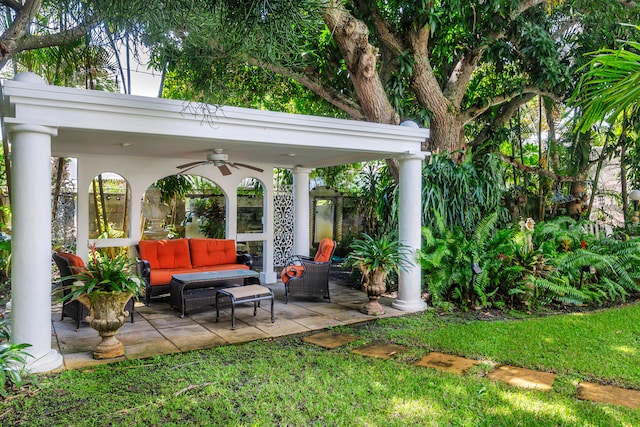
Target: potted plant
<point>376,257</point>
<point>105,286</point>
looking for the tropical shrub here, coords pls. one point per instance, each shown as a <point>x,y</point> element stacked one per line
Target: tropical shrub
<point>447,257</point>
<point>528,265</point>
<point>13,358</point>
<point>462,193</point>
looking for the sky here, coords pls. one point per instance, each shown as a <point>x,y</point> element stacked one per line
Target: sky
<point>144,82</point>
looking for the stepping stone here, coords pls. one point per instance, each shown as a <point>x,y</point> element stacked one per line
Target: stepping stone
<point>609,394</point>
<point>525,378</point>
<point>380,350</point>
<point>330,339</point>
<point>447,363</point>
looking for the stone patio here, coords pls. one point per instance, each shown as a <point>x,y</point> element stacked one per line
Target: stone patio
<point>159,330</point>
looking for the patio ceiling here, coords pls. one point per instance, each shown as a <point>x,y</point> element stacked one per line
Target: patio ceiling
<point>100,123</point>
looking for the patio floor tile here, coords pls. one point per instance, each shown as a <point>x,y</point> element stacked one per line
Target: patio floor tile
<point>525,378</point>
<point>317,321</point>
<point>380,350</point>
<point>330,339</point>
<point>281,327</point>
<point>150,348</point>
<point>609,394</point>
<point>447,363</point>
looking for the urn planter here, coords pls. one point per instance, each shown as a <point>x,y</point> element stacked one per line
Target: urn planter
<point>105,286</point>
<point>375,257</point>
<point>106,316</point>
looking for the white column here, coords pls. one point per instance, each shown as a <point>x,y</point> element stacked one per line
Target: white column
<point>268,274</point>
<point>301,220</point>
<point>410,227</point>
<point>31,244</point>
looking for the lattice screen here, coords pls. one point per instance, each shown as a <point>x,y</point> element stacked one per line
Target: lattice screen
<point>283,224</point>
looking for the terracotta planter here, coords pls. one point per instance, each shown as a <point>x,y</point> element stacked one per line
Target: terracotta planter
<point>107,315</point>
<point>376,285</point>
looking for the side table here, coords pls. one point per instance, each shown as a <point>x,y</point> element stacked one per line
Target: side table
<point>249,293</point>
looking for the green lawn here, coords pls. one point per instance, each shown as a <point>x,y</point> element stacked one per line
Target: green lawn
<point>289,382</point>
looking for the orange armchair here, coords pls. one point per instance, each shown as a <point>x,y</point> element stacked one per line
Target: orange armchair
<point>309,276</point>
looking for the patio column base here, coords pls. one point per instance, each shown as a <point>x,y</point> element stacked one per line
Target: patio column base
<point>411,306</point>
<point>50,361</point>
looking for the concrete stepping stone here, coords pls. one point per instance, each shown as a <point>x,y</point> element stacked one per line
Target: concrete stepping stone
<point>329,339</point>
<point>380,350</point>
<point>446,362</point>
<point>609,394</point>
<point>525,378</point>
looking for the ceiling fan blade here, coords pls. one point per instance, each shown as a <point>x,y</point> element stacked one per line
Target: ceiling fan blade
<point>186,165</point>
<point>224,170</point>
<point>193,166</point>
<point>249,167</point>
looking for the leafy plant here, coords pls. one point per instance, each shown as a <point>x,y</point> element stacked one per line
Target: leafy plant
<point>371,253</point>
<point>13,358</point>
<point>213,220</point>
<point>376,257</point>
<point>605,271</point>
<point>104,274</point>
<point>448,255</point>
<point>461,193</point>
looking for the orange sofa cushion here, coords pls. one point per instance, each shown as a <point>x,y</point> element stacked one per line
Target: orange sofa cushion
<point>166,253</point>
<point>325,248</point>
<point>211,252</point>
<point>76,264</point>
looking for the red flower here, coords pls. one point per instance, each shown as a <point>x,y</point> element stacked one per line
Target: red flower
<point>583,244</point>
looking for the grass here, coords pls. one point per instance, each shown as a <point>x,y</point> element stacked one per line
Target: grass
<point>289,382</point>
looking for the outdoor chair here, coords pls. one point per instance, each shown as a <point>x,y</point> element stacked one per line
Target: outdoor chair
<point>308,276</point>
<point>69,264</point>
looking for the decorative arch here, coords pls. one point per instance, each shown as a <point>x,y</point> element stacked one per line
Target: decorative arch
<point>109,206</point>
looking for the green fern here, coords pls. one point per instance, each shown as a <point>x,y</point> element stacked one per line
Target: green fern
<point>556,289</point>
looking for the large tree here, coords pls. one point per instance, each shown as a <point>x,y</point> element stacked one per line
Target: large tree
<point>448,64</point>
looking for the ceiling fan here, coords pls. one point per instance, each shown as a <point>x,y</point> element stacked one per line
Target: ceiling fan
<point>219,159</point>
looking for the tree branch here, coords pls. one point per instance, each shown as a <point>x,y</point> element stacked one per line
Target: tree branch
<point>11,4</point>
<point>534,170</point>
<point>423,80</point>
<point>58,39</point>
<point>472,113</point>
<point>524,6</point>
<point>461,75</point>
<point>327,93</point>
<point>385,34</point>
<point>507,111</point>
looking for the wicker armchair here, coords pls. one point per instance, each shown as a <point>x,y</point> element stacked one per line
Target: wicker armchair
<point>309,276</point>
<point>68,264</point>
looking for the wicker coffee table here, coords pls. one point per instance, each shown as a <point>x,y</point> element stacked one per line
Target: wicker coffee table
<point>193,290</point>
<point>241,294</point>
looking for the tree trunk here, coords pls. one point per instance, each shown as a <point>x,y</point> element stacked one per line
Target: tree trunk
<point>447,133</point>
<point>352,37</point>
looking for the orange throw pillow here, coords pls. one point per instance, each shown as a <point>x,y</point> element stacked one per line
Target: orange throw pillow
<point>291,271</point>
